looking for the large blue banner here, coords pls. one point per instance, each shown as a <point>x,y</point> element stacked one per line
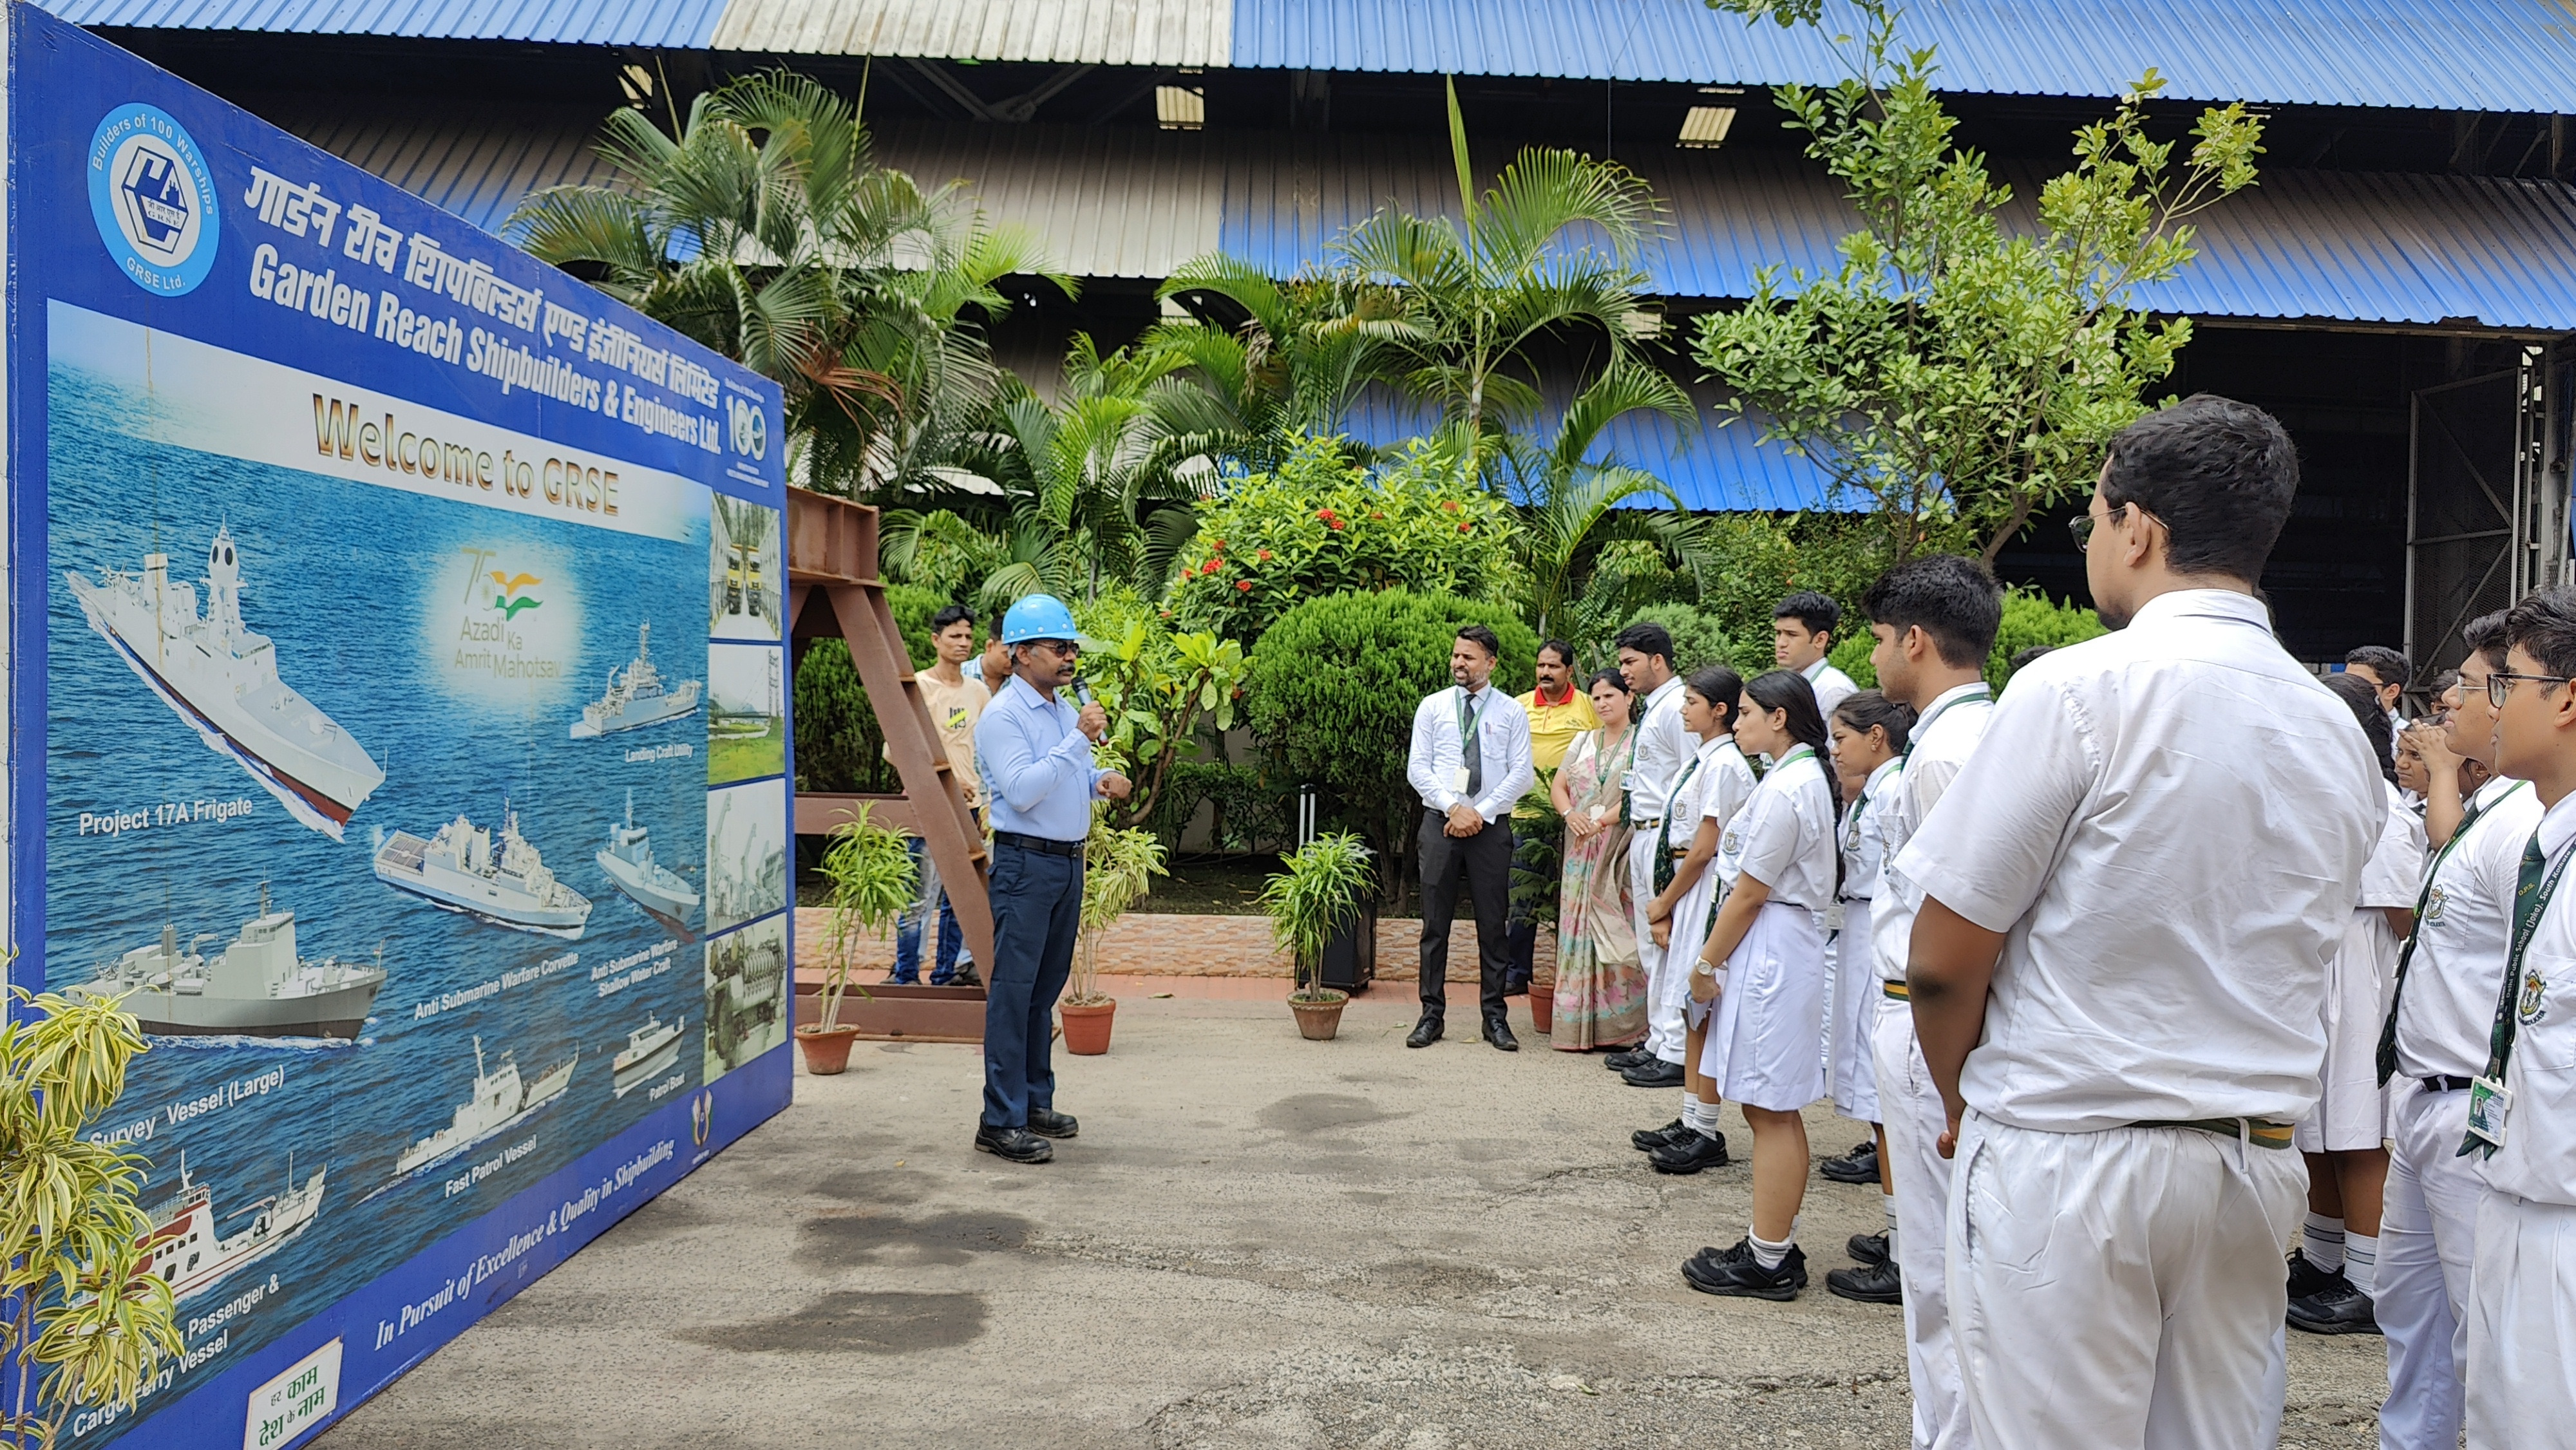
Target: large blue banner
<point>400,730</point>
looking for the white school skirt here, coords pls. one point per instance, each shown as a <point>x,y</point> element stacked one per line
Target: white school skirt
<point>1761,1048</point>
<point>2353,1110</point>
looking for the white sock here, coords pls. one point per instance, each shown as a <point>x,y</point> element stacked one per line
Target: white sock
<point>1690,1109</point>
<point>1766,1253</point>
<point>1887,1202</point>
<point>2361,1262</point>
<point>2322,1241</point>
<point>1707,1124</point>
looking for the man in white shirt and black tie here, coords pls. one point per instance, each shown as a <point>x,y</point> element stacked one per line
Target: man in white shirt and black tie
<point>1470,762</point>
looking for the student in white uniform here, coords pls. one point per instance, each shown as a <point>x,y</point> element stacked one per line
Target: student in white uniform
<point>2434,1042</point>
<point>1663,748</point>
<point>1934,621</point>
<point>1759,983</point>
<point>1869,733</point>
<point>1802,635</point>
<point>2130,894</point>
<point>2522,1139</point>
<point>2345,1140</point>
<point>1714,786</point>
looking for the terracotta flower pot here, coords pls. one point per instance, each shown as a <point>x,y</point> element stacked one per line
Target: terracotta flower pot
<point>1086,1028</point>
<point>1542,998</point>
<point>826,1049</point>
<point>1319,1016</point>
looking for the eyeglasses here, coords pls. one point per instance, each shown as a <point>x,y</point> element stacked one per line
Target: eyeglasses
<point>2500,684</point>
<point>1063,649</point>
<point>2082,525</point>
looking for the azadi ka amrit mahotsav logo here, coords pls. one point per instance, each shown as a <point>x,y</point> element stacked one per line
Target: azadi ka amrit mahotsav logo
<point>153,200</point>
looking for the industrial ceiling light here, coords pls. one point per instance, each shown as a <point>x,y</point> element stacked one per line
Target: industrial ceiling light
<point>1705,128</point>
<point>1180,108</point>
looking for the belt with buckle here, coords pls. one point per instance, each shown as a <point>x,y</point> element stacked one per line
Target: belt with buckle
<point>2440,1084</point>
<point>1037,843</point>
<point>1680,851</point>
<point>1649,823</point>
<point>2260,1133</point>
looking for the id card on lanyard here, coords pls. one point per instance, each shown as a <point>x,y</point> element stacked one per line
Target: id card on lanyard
<point>2490,1101</point>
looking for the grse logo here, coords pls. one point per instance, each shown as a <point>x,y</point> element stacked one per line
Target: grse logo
<point>750,427</point>
<point>153,200</point>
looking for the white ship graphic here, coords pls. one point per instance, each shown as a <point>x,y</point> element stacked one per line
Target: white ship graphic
<point>502,1100</point>
<point>628,860</point>
<point>650,1049</point>
<point>221,678</point>
<point>257,986</point>
<point>636,696</point>
<point>459,870</point>
<point>183,1250</point>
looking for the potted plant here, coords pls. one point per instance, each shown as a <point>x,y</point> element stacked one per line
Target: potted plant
<point>873,882</point>
<point>1117,866</point>
<point>1307,904</point>
<point>84,1323</point>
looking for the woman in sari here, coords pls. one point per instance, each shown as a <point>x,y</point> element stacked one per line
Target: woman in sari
<point>1600,986</point>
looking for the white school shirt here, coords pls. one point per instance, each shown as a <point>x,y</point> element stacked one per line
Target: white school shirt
<point>2538,1159</point>
<point>1941,743</point>
<point>1502,744</point>
<point>1831,685</point>
<point>2396,866</point>
<point>2447,1005</point>
<point>1865,832</point>
<point>1663,747</point>
<point>1717,790</point>
<point>2170,824</point>
<point>1784,836</point>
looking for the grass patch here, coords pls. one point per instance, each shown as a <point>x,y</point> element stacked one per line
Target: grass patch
<point>735,754</point>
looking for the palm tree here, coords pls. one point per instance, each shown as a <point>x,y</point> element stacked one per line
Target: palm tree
<point>1293,367</point>
<point>1571,500</point>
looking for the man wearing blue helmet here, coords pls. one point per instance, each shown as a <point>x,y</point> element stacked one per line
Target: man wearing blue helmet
<point>1033,749</point>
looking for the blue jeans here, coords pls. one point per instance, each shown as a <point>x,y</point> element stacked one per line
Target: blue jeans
<point>909,927</point>
<point>1037,910</point>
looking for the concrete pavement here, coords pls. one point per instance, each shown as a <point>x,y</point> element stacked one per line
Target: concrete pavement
<point>1256,1242</point>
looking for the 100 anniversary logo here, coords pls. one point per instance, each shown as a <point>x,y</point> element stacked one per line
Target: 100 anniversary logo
<point>153,200</point>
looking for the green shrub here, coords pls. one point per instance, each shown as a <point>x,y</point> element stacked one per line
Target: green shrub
<point>839,745</point>
<point>2032,618</point>
<point>1698,639</point>
<point>1334,685</point>
<point>1319,526</point>
<point>1255,808</point>
<point>1850,653</point>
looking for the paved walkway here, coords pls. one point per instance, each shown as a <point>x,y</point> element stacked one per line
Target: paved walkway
<point>1152,945</point>
<point>1257,1242</point>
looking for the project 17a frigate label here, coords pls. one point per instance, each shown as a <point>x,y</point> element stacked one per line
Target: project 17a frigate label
<point>636,696</point>
<point>221,677</point>
<point>256,987</point>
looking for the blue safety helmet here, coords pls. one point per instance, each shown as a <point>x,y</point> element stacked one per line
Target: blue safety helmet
<point>1035,617</point>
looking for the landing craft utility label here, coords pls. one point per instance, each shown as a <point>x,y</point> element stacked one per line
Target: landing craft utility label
<point>403,622</point>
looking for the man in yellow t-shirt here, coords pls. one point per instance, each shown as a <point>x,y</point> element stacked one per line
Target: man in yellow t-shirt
<point>955,703</point>
<point>1558,711</point>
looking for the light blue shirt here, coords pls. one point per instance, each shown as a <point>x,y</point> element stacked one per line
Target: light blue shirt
<point>1038,775</point>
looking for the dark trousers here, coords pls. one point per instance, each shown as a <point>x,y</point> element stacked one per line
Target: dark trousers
<point>1485,859</point>
<point>1037,909</point>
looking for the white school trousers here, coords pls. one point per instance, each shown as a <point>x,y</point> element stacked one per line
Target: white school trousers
<point>2122,1289</point>
<point>2427,1229</point>
<point>1852,1026</point>
<point>1663,1020</point>
<point>1914,1119</point>
<point>2522,1318</point>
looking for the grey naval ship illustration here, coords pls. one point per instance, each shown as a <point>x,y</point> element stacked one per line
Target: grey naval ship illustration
<point>183,1249</point>
<point>221,678</point>
<point>256,987</point>
<point>502,1100</point>
<point>459,869</point>
<point>649,1050</point>
<point>636,696</point>
<point>628,860</point>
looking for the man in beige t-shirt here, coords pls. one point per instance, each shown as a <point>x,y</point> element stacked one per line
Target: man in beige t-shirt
<point>955,703</point>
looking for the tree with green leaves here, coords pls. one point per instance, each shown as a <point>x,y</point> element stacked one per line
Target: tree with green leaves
<point>1291,368</point>
<point>1961,370</point>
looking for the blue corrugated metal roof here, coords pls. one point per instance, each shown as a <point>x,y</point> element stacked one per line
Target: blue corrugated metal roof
<point>680,24</point>
<point>477,167</point>
<point>2458,55</point>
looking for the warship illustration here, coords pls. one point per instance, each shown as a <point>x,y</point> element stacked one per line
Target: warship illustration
<point>649,1050</point>
<point>502,1100</point>
<point>459,869</point>
<point>222,679</point>
<point>183,1247</point>
<point>256,987</point>
<point>628,860</point>
<point>636,696</point>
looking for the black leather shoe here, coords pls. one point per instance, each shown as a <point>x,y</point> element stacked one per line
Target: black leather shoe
<point>1647,1140</point>
<point>2306,1279</point>
<point>965,977</point>
<point>1860,1165</point>
<point>1877,1283</point>
<point>1499,1033</point>
<point>1627,1058</point>
<point>1048,1123</point>
<point>2341,1309</point>
<point>1425,1032</point>
<point>1016,1145</point>
<point>1741,1276</point>
<point>1867,1248</point>
<point>1516,985</point>
<point>1712,1254</point>
<point>1696,1151</point>
<point>1656,1073</point>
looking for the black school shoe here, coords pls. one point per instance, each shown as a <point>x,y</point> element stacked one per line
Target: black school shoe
<point>1647,1140</point>
<point>1695,1151</point>
<point>1867,1248</point>
<point>1627,1058</point>
<point>1860,1165</point>
<point>2307,1280</point>
<point>2340,1309</point>
<point>1013,1145</point>
<point>1741,1276</point>
<point>1877,1283</point>
<point>1656,1073</point>
<point>1048,1123</point>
